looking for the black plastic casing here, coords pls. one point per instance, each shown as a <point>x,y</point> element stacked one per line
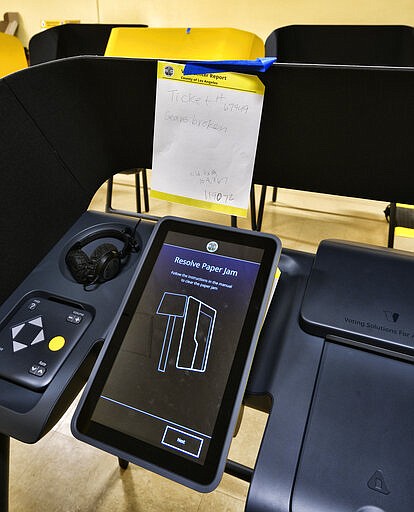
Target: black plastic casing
<point>28,414</point>
<point>340,431</point>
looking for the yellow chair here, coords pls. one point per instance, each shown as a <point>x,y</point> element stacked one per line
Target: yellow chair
<point>12,55</point>
<point>178,44</point>
<point>184,43</point>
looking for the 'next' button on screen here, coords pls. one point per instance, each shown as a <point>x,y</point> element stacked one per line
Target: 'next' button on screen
<point>182,441</point>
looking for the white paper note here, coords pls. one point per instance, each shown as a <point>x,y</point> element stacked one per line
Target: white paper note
<point>205,138</point>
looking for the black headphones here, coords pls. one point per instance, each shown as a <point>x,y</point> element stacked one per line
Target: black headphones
<point>105,261</point>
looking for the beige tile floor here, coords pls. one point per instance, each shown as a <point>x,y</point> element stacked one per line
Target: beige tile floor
<point>60,474</point>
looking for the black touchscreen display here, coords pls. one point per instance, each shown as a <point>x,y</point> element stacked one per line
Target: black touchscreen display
<point>173,368</point>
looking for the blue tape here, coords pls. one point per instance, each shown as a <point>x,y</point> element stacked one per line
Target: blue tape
<point>261,64</point>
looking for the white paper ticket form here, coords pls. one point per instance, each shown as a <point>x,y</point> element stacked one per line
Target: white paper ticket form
<point>205,137</point>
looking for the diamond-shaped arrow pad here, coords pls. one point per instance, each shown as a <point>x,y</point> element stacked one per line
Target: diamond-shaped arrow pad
<point>26,339</point>
<point>27,333</point>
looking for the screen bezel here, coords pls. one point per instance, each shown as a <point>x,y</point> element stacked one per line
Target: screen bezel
<point>139,451</point>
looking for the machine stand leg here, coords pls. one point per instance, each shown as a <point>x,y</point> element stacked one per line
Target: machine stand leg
<point>4,472</point>
<point>123,464</point>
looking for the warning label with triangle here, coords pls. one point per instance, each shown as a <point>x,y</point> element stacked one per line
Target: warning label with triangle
<point>377,482</point>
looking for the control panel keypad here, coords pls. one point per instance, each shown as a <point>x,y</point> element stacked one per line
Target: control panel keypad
<point>37,337</point>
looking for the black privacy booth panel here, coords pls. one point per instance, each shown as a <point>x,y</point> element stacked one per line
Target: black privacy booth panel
<point>333,365</point>
<point>52,327</point>
<point>340,432</point>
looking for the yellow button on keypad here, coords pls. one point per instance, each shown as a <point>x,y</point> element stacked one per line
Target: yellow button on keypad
<point>57,343</point>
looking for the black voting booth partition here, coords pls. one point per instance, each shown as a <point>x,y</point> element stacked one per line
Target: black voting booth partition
<point>71,40</point>
<point>337,130</point>
<point>337,387</point>
<point>360,45</point>
<point>363,45</point>
<point>61,139</point>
